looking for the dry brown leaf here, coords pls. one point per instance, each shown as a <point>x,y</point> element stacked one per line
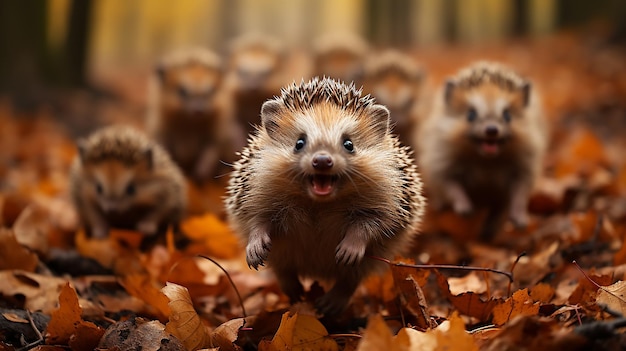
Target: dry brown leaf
<point>219,241</point>
<point>418,341</point>
<point>67,320</point>
<point>142,287</point>
<point>41,292</point>
<point>520,304</point>
<point>13,255</point>
<point>468,303</point>
<point>184,321</point>
<point>614,297</point>
<point>33,227</point>
<point>586,292</point>
<point>455,337</point>
<point>471,282</point>
<point>377,336</point>
<point>542,292</point>
<point>225,335</point>
<point>14,318</point>
<point>412,298</point>
<point>300,332</point>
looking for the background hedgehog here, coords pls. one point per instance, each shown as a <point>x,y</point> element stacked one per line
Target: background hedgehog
<point>483,144</point>
<point>322,184</point>
<point>255,75</point>
<point>120,179</point>
<point>191,116</point>
<point>340,56</point>
<point>395,80</point>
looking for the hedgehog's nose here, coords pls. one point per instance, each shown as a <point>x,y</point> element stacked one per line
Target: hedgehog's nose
<point>492,131</point>
<point>322,162</point>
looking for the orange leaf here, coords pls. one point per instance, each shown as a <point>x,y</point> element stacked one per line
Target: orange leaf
<point>455,337</point>
<point>468,303</point>
<point>185,323</point>
<point>13,255</point>
<point>142,287</point>
<point>300,332</point>
<point>63,321</point>
<point>518,304</point>
<point>218,239</point>
<point>542,292</point>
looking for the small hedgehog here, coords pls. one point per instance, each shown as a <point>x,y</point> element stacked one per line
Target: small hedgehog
<point>191,116</point>
<point>120,179</point>
<point>340,56</point>
<point>483,145</point>
<point>395,80</point>
<point>255,75</point>
<point>322,184</point>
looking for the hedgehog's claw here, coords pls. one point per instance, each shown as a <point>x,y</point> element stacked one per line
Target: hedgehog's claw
<point>257,250</point>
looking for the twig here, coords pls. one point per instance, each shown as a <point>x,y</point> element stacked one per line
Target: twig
<point>445,266</point>
<point>37,332</point>
<point>596,284</point>
<point>243,309</point>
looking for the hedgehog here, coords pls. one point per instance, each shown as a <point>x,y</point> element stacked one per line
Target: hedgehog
<point>395,80</point>
<point>483,145</point>
<point>322,185</point>
<point>122,179</point>
<point>256,72</point>
<point>340,56</point>
<point>191,116</point>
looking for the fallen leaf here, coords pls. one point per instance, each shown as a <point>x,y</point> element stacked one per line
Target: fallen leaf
<point>143,287</point>
<point>542,292</point>
<point>33,227</point>
<point>13,255</point>
<point>64,320</point>
<point>520,304</point>
<point>184,322</point>
<point>40,292</point>
<point>139,334</point>
<point>454,337</point>
<point>614,297</point>
<point>225,335</point>
<point>219,241</point>
<point>300,332</point>
<point>377,336</point>
<point>468,303</point>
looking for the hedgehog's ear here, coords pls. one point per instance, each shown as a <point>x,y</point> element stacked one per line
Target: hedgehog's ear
<point>526,90</point>
<point>270,113</point>
<point>380,117</point>
<point>448,90</point>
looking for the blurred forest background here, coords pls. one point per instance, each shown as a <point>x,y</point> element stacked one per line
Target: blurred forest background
<point>47,45</point>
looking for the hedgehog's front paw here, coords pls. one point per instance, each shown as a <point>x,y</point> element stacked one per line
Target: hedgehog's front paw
<point>350,252</point>
<point>257,250</point>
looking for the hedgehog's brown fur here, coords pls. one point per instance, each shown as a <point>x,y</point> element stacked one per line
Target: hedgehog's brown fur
<point>191,116</point>
<point>396,81</point>
<point>374,205</point>
<point>467,168</point>
<point>340,56</point>
<point>109,162</point>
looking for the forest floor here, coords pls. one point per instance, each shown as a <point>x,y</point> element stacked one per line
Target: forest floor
<point>560,282</point>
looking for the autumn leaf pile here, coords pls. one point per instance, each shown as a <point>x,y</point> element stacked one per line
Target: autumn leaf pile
<point>559,284</point>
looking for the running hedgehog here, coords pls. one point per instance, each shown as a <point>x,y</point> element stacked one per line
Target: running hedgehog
<point>395,80</point>
<point>322,184</point>
<point>121,179</point>
<point>483,144</point>
<point>191,116</point>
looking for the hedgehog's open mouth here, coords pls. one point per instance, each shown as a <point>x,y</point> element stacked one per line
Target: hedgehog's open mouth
<point>323,184</point>
<point>490,146</point>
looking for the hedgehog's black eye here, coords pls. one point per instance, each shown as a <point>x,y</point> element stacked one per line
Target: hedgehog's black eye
<point>348,145</point>
<point>130,189</point>
<point>471,114</point>
<point>506,114</point>
<point>99,188</point>
<point>300,143</point>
